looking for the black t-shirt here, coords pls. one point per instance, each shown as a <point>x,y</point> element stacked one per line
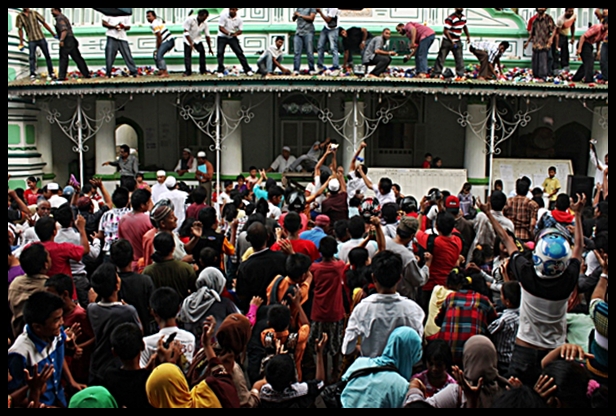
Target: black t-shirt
<point>549,289</point>
<point>128,387</point>
<point>136,291</point>
<point>256,274</point>
<point>209,239</point>
<point>355,37</point>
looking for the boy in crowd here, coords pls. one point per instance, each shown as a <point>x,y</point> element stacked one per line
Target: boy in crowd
<point>292,228</point>
<point>43,315</point>
<point>377,316</point>
<point>62,286</point>
<point>104,317</point>
<point>271,58</point>
<point>127,383</point>
<point>111,220</point>
<point>384,192</point>
<point>165,305</point>
<point>551,187</point>
<point>504,330</point>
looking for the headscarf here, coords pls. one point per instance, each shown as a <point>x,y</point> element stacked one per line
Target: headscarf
<point>403,350</point>
<point>481,362</point>
<point>93,398</point>
<point>167,388</point>
<point>210,285</point>
<point>233,337</point>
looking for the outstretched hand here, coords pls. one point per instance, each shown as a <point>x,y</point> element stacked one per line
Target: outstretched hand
<point>578,207</point>
<point>485,208</point>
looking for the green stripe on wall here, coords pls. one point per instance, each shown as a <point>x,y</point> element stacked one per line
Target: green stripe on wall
<point>14,134</point>
<point>479,181</point>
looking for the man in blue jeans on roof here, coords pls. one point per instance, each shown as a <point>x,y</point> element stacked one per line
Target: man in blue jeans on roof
<point>329,34</point>
<point>304,37</point>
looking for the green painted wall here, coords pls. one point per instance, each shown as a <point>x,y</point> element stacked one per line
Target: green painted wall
<point>12,74</point>
<point>14,134</point>
<point>10,22</point>
<point>30,134</point>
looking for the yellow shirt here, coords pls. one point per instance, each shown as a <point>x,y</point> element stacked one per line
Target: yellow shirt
<point>551,186</point>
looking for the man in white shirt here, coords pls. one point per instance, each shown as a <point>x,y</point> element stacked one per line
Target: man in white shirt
<point>117,40</point>
<point>194,28</point>
<point>329,34</point>
<point>177,198</point>
<point>230,27</point>
<point>356,185</point>
<point>56,201</point>
<point>272,57</point>
<point>594,159</point>
<point>164,42</point>
<point>282,162</point>
<point>187,164</point>
<point>489,54</point>
<point>159,188</point>
<point>384,192</point>
<point>357,229</point>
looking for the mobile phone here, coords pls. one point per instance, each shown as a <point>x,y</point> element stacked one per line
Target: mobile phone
<point>170,340</point>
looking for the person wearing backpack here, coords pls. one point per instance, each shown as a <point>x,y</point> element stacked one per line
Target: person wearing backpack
<point>385,381</point>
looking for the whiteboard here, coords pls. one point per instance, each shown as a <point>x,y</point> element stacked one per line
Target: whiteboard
<point>417,182</point>
<point>510,170</point>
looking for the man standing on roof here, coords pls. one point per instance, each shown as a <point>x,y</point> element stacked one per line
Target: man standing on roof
<point>31,21</point>
<point>452,42</point>
<point>596,35</point>
<point>329,34</point>
<point>304,37</point>
<point>421,38</point>
<point>187,163</point>
<point>282,162</point>
<point>542,37</point>
<point>117,40</point>
<point>566,33</point>
<point>230,28</point>
<point>194,28</point>
<point>69,47</point>
<point>164,42</point>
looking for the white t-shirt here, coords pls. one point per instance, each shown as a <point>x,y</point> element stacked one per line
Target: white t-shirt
<point>194,29</point>
<point>389,198</point>
<point>343,253</point>
<point>330,12</point>
<point>280,164</point>
<point>56,201</point>
<point>159,27</point>
<point>355,184</point>
<point>115,21</point>
<point>274,212</point>
<point>185,338</point>
<point>275,52</point>
<point>224,199</point>
<point>231,24</point>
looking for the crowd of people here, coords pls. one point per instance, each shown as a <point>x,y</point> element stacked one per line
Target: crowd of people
<point>345,294</point>
<point>550,45</point>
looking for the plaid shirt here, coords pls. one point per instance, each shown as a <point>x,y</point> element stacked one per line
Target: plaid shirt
<point>523,212</point>
<point>464,315</point>
<point>504,332</point>
<point>31,23</point>
<point>543,28</point>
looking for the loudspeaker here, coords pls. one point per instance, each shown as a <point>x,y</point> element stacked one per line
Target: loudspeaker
<point>581,185</point>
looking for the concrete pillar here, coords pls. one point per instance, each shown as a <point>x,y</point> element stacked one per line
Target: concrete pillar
<point>354,130</point>
<point>231,158</point>
<point>600,134</point>
<point>45,144</point>
<point>105,146</point>
<point>474,154</point>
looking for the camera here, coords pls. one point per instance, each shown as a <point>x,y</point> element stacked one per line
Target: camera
<point>334,147</point>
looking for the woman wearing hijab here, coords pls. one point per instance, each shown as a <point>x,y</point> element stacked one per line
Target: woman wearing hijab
<point>93,398</point>
<point>207,301</point>
<point>480,382</point>
<point>384,390</point>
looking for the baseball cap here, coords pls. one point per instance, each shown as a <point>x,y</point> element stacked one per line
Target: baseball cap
<point>161,173</point>
<point>201,154</point>
<point>334,185</point>
<point>171,182</point>
<point>53,187</point>
<point>453,202</point>
<point>322,220</point>
<point>408,225</point>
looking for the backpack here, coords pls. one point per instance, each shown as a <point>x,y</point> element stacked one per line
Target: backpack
<point>331,397</point>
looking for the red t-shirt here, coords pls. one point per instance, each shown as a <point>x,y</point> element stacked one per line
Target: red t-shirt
<point>426,165</point>
<point>302,247</point>
<point>327,283</point>
<point>80,368</point>
<point>61,256</point>
<point>132,228</point>
<point>446,253</point>
<point>193,211</point>
<point>30,197</point>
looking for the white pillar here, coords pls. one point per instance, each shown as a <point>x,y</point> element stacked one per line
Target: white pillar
<point>231,158</point>
<point>24,159</point>
<point>474,154</point>
<point>600,134</point>
<point>105,146</point>
<point>354,130</point>
<point>44,143</point>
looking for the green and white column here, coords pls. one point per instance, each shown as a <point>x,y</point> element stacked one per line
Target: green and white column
<point>475,150</point>
<point>24,158</point>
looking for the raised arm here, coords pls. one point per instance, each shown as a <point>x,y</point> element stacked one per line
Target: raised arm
<point>380,236</point>
<point>498,228</point>
<point>80,224</point>
<point>367,181</point>
<point>98,183</point>
<point>317,169</point>
<point>361,148</point>
<point>578,209</point>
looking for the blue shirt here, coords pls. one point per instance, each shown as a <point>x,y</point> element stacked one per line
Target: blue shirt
<point>315,235</point>
<point>29,350</point>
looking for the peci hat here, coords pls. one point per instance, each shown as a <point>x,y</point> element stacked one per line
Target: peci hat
<point>171,182</point>
<point>201,155</point>
<point>286,149</point>
<point>187,150</point>
<point>334,185</point>
<point>161,173</point>
<point>53,187</point>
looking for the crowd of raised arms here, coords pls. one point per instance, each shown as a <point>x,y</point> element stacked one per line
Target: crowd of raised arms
<point>550,41</point>
<point>343,294</point>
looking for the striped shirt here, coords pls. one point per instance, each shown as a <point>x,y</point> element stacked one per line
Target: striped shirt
<point>30,23</point>
<point>158,27</point>
<point>455,24</point>
<point>491,48</point>
<point>503,332</point>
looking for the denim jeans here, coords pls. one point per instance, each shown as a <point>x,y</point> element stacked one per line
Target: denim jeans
<point>266,63</point>
<point>165,47</point>
<point>331,36</point>
<point>604,61</point>
<point>111,51</point>
<point>44,48</point>
<point>421,57</point>
<point>302,42</point>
